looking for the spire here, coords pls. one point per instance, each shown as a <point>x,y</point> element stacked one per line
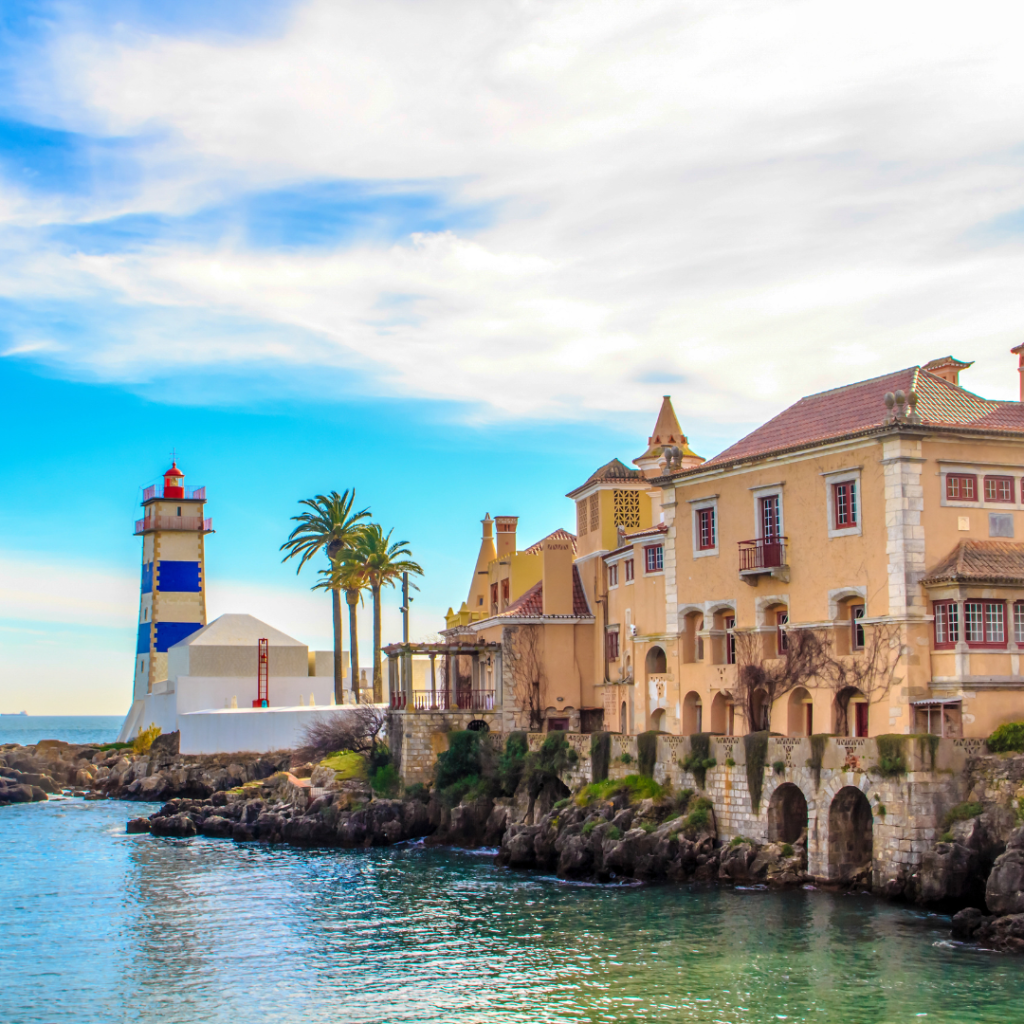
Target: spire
<point>667,432</point>
<point>478,585</point>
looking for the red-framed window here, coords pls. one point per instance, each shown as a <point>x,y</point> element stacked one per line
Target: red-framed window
<point>706,539</point>
<point>770,524</point>
<point>961,487</point>
<point>611,644</point>
<point>613,575</point>
<point>781,640</point>
<point>627,566</point>
<point>999,488</point>
<point>947,623</point>
<point>985,623</point>
<point>505,591</point>
<point>654,558</point>
<point>844,505</point>
<point>730,639</point>
<point>856,627</point>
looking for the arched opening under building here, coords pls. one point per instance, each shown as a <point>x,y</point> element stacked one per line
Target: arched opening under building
<point>658,719</point>
<point>850,833</point>
<point>693,714</point>
<point>722,715</point>
<point>656,663</point>
<point>850,713</point>
<point>801,713</point>
<point>787,814</point>
<point>760,709</point>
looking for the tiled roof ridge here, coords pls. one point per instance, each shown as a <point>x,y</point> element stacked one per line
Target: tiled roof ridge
<point>560,534</point>
<point>531,604</point>
<point>980,561</point>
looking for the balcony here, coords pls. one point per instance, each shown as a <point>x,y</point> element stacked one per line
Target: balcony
<point>442,700</point>
<point>187,493</point>
<point>764,555</point>
<point>190,524</point>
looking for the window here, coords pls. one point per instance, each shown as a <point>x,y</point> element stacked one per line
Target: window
<point>781,640</point>
<point>494,597</point>
<point>856,627</point>
<point>654,558</point>
<point>595,512</point>
<point>985,623</point>
<point>770,526</point>
<point>947,623</point>
<point>706,529</point>
<point>611,644</point>
<point>730,640</point>
<point>505,593</point>
<point>628,567</point>
<point>613,575</point>
<point>844,504</point>
<point>999,488</point>
<point>626,509</point>
<point>581,517</point>
<point>1018,622</point>
<point>961,487</point>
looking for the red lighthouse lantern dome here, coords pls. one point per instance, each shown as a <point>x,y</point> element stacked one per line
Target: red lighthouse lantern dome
<point>174,482</point>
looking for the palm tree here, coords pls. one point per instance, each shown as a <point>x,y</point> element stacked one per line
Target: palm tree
<point>332,527</point>
<point>348,575</point>
<point>382,563</point>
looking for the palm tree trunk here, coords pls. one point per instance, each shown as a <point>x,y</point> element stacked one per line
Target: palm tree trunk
<point>339,692</point>
<point>378,682</point>
<point>352,596</point>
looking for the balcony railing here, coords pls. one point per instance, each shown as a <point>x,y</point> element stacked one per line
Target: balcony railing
<point>189,523</point>
<point>442,700</point>
<point>187,493</point>
<point>762,554</point>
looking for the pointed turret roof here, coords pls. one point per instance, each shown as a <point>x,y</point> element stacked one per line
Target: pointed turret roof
<point>666,432</point>
<point>478,585</point>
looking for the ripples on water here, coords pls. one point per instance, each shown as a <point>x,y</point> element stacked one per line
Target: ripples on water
<point>99,927</point>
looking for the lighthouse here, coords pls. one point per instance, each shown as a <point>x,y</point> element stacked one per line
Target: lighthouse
<point>172,605</point>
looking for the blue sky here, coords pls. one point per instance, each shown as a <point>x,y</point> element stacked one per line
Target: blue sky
<point>453,255</point>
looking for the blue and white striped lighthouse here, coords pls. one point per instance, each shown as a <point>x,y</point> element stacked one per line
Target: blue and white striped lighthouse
<point>173,601</point>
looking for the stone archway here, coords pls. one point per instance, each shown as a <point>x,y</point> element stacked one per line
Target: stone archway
<point>656,663</point>
<point>787,814</point>
<point>850,833</point>
<point>693,714</point>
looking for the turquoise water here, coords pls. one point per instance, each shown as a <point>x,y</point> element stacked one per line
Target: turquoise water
<point>72,728</point>
<point>103,927</point>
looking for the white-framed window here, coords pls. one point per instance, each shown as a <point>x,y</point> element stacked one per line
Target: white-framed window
<point>844,502</point>
<point>705,528</point>
<point>654,558</point>
<point>769,521</point>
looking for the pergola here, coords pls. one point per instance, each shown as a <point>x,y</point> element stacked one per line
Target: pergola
<point>484,689</point>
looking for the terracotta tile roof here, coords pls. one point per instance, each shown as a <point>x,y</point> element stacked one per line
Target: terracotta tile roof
<point>860,407</point>
<point>980,561</point>
<point>614,470</point>
<point>531,604</point>
<point>559,534</point>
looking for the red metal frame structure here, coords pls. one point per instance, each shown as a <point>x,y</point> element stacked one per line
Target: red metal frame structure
<point>263,676</point>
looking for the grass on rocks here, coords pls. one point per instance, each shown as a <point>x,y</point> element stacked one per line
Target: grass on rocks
<point>639,787</point>
<point>347,764</point>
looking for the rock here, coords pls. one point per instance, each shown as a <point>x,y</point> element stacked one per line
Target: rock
<point>966,923</point>
<point>18,794</point>
<point>243,833</point>
<point>217,827</point>
<point>173,825</point>
<point>1003,933</point>
<point>153,788</point>
<point>165,744</point>
<point>948,871</point>
<point>136,826</point>
<point>1004,892</point>
<point>735,862</point>
<point>575,856</point>
<point>517,846</point>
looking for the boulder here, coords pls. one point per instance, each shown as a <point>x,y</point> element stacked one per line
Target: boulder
<point>173,825</point>
<point>948,871</point>
<point>735,862</point>
<point>217,827</point>
<point>1004,892</point>
<point>166,744</point>
<point>517,849</point>
<point>137,826</point>
<point>967,922</point>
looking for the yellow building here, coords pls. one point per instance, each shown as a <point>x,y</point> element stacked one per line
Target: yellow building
<point>877,519</point>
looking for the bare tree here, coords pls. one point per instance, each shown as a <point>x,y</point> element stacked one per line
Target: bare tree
<point>761,680</point>
<point>359,729</point>
<point>521,651</point>
<point>871,670</point>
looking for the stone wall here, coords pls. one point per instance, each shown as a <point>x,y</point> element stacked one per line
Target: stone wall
<point>416,738</point>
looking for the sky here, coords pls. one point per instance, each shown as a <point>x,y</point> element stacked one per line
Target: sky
<point>452,255</point>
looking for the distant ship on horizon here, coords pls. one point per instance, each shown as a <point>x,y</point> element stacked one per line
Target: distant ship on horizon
<point>12,714</point>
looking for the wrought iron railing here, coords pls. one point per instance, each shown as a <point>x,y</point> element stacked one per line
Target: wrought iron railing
<point>762,553</point>
<point>187,493</point>
<point>443,700</point>
<point>191,523</point>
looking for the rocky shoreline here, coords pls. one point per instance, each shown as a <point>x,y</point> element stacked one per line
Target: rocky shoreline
<point>249,798</point>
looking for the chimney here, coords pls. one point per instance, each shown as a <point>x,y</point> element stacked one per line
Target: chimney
<point>506,534</point>
<point>558,555</point>
<point>947,368</point>
<point>1019,352</point>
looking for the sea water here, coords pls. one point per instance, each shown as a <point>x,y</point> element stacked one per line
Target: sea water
<point>99,926</point>
<point>28,729</point>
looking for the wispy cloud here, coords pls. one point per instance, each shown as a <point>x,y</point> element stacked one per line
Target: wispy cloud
<point>576,201</point>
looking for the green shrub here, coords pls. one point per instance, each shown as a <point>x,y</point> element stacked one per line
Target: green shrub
<point>699,816</point>
<point>778,767</point>
<point>554,757</point>
<point>613,833</point>
<point>144,740</point>
<point>962,812</point>
<point>418,791</point>
<point>892,761</point>
<point>648,827</point>
<point>460,761</point>
<point>946,837</point>
<point>512,762</point>
<point>600,755</point>
<point>786,850</point>
<point>756,746</point>
<point>626,757</point>
<point>739,840</point>
<point>682,801</point>
<point>589,827</point>
<point>559,804</point>
<point>699,760</point>
<point>639,787</point>
<point>730,762</point>
<point>646,752</point>
<point>385,781</point>
<point>1008,738</point>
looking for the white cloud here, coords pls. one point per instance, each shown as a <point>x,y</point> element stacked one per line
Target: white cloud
<point>763,198</point>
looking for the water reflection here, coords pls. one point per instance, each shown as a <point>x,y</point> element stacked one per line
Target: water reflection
<point>108,927</point>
